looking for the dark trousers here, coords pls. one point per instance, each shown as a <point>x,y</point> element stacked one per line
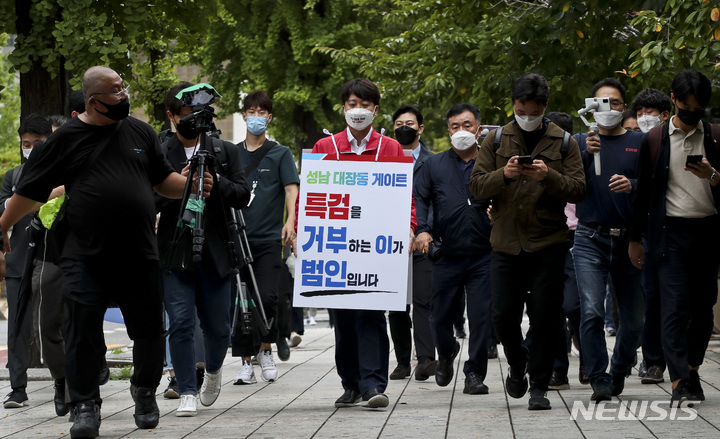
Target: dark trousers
<point>267,256</point>
<point>89,288</point>
<point>401,323</point>
<point>45,311</point>
<point>535,279</point>
<point>452,277</point>
<point>571,311</point>
<point>652,349</point>
<point>362,349</point>
<point>687,279</point>
<point>284,306</point>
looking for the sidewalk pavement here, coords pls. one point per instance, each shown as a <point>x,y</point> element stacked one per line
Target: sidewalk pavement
<point>300,405</point>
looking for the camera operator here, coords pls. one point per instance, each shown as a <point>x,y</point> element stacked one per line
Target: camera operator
<point>188,285</point>
<point>600,241</point>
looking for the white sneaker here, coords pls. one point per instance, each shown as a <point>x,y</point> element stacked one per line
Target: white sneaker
<point>312,321</point>
<point>188,406</point>
<point>210,389</point>
<point>305,321</point>
<point>269,370</point>
<point>295,340</point>
<point>246,374</point>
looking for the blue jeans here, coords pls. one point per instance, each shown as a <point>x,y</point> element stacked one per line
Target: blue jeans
<point>211,295</point>
<point>598,255</point>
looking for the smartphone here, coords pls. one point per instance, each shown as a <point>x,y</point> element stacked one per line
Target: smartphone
<point>693,158</point>
<point>525,160</point>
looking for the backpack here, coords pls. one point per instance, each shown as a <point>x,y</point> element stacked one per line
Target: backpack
<point>563,149</point>
<point>655,139</point>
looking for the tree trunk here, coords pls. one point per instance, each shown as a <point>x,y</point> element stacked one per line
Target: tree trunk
<point>39,91</point>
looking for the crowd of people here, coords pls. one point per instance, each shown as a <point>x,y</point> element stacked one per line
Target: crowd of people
<point>529,218</point>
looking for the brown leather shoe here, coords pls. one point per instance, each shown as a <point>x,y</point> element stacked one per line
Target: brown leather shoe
<point>654,375</point>
<point>425,370</point>
<point>401,372</point>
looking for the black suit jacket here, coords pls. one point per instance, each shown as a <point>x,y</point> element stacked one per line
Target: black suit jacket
<point>229,191</point>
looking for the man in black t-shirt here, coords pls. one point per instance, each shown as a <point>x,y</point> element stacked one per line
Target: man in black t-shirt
<point>111,252</point>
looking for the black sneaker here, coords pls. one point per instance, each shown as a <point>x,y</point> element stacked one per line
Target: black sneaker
<point>147,413</point>
<point>348,399</point>
<point>642,370</point>
<point>602,389</point>
<point>558,381</point>
<point>474,384</point>
<point>373,399</point>
<point>538,400</point>
<point>696,390</point>
<point>16,399</point>
<point>61,407</point>
<point>460,331</point>
<point>172,391</point>
<point>680,394</point>
<point>582,375</point>
<point>283,350</point>
<point>444,369</point>
<point>104,376</point>
<point>87,420</point>
<point>199,376</point>
<point>516,382</point>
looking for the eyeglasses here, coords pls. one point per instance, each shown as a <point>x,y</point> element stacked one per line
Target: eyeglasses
<point>125,91</point>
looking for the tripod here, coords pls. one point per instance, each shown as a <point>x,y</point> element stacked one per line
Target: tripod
<point>248,310</point>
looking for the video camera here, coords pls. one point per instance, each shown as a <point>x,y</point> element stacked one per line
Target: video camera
<point>591,106</point>
<point>200,97</point>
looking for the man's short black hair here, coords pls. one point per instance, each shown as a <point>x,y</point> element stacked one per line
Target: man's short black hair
<point>76,102</point>
<point>628,114</point>
<point>652,98</point>
<point>610,82</point>
<point>258,99</point>
<point>173,104</point>
<point>563,120</point>
<point>405,108</point>
<point>36,124</point>
<point>692,82</point>
<point>461,108</point>
<point>57,120</point>
<point>362,88</point>
<point>530,87</point>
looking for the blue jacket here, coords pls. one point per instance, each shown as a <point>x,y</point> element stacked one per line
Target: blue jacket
<point>460,220</point>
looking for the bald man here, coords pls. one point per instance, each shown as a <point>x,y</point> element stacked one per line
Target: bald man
<point>109,164</point>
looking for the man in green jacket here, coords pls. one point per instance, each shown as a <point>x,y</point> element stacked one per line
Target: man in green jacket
<point>530,171</point>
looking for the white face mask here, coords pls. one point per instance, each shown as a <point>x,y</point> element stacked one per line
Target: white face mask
<point>26,152</point>
<point>529,123</point>
<point>647,122</point>
<point>608,119</point>
<point>463,140</point>
<point>359,118</point>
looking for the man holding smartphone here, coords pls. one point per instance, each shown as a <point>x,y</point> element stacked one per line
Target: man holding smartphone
<point>676,210</point>
<point>600,239</point>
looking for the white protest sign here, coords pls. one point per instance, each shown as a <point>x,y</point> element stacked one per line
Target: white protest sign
<point>353,233</point>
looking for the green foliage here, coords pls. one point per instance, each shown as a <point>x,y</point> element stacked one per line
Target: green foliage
<point>686,34</point>
<point>9,115</point>
<point>268,45</point>
<point>142,40</point>
<point>471,51</point>
<point>122,374</point>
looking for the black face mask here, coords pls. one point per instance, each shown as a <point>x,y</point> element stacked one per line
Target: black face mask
<point>118,111</point>
<point>405,135</point>
<point>690,117</point>
<point>187,129</point>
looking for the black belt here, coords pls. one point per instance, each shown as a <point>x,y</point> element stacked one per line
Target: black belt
<point>612,231</point>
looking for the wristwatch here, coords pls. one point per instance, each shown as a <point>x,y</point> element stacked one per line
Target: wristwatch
<point>714,175</point>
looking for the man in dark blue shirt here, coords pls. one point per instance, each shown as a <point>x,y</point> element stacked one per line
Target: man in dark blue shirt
<point>600,239</point>
<point>462,227</point>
